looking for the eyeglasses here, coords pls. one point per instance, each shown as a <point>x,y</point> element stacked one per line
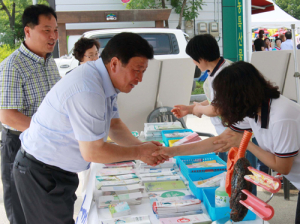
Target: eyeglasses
<point>92,56</point>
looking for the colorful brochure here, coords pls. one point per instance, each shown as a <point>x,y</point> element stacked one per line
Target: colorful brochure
<point>165,186</point>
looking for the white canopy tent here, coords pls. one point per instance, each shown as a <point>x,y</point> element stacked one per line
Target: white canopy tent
<point>273,19</point>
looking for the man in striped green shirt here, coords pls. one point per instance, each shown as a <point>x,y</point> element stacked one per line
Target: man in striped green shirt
<point>26,76</point>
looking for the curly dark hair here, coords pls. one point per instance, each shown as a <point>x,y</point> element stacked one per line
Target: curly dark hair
<point>203,46</point>
<point>240,89</point>
<point>82,45</point>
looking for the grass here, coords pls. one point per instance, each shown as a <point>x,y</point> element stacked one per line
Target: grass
<point>198,89</point>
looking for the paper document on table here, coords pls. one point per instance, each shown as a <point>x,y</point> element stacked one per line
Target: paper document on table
<point>132,219</point>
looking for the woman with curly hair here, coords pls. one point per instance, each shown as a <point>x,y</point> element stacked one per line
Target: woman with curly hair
<point>86,49</point>
<point>245,100</point>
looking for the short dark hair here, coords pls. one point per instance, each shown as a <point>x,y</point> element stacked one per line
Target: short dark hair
<point>288,35</point>
<point>203,46</point>
<point>125,46</point>
<point>82,45</point>
<point>261,34</point>
<point>278,39</point>
<point>240,89</point>
<point>31,14</point>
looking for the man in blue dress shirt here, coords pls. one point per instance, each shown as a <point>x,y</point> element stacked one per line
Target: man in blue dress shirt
<point>70,130</point>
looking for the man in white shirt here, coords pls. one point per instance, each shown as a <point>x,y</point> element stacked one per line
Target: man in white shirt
<point>288,44</point>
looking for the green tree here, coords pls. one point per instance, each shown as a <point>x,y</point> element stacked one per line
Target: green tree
<point>147,4</point>
<point>11,28</point>
<point>291,7</point>
<point>189,10</point>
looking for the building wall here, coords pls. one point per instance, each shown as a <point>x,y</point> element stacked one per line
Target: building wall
<point>212,11</point>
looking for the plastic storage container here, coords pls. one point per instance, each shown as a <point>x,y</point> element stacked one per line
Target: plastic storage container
<point>183,161</point>
<point>166,139</point>
<point>198,191</point>
<point>216,213</point>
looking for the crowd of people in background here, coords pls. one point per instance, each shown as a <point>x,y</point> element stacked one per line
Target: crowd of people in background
<point>283,42</point>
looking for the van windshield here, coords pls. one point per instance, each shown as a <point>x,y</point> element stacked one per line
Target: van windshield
<point>161,43</point>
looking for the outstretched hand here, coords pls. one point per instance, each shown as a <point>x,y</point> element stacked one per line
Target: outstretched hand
<point>230,139</point>
<point>165,151</point>
<point>180,111</point>
<point>145,153</point>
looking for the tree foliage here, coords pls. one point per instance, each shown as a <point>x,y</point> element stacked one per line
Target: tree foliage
<point>291,7</point>
<point>144,4</point>
<point>189,10</point>
<point>11,28</point>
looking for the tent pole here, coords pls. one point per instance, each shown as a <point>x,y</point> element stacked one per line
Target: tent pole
<point>296,74</point>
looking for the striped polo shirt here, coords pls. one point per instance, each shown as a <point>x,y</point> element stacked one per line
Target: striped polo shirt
<point>277,131</point>
<point>26,78</point>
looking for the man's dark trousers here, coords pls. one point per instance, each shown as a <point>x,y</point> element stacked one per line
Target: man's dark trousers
<point>47,193</point>
<point>9,148</point>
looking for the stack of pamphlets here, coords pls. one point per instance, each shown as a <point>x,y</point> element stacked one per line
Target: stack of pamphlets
<point>131,199</point>
<point>143,219</point>
<point>190,219</point>
<point>160,195</point>
<point>116,177</point>
<point>191,138</point>
<point>167,164</point>
<point>160,207</point>
<point>119,209</point>
<point>116,190</point>
<point>165,186</point>
<point>115,171</point>
<point>154,170</point>
<point>160,178</point>
<point>120,164</point>
<point>154,129</point>
<point>210,182</point>
<point>210,163</point>
<point>100,184</point>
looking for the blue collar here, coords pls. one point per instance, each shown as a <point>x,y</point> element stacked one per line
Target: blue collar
<point>109,89</point>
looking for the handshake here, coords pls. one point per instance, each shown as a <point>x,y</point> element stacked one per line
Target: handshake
<point>153,153</point>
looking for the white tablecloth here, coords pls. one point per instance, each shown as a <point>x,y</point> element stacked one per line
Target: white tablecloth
<point>95,215</point>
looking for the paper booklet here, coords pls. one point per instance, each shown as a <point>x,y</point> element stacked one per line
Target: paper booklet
<point>211,163</point>
<point>119,209</point>
<point>210,182</point>
<point>119,177</point>
<point>177,214</point>
<point>115,171</point>
<point>131,199</point>
<point>165,173</point>
<point>170,199</point>
<point>143,219</point>
<point>168,194</point>
<point>158,127</point>
<point>120,164</point>
<point>100,184</point>
<point>116,190</point>
<point>167,164</point>
<point>155,170</point>
<point>160,178</point>
<point>190,219</point>
<point>165,185</point>
<point>190,138</point>
<point>176,206</point>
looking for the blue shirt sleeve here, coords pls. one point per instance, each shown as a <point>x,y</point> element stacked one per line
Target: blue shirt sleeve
<point>86,111</point>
